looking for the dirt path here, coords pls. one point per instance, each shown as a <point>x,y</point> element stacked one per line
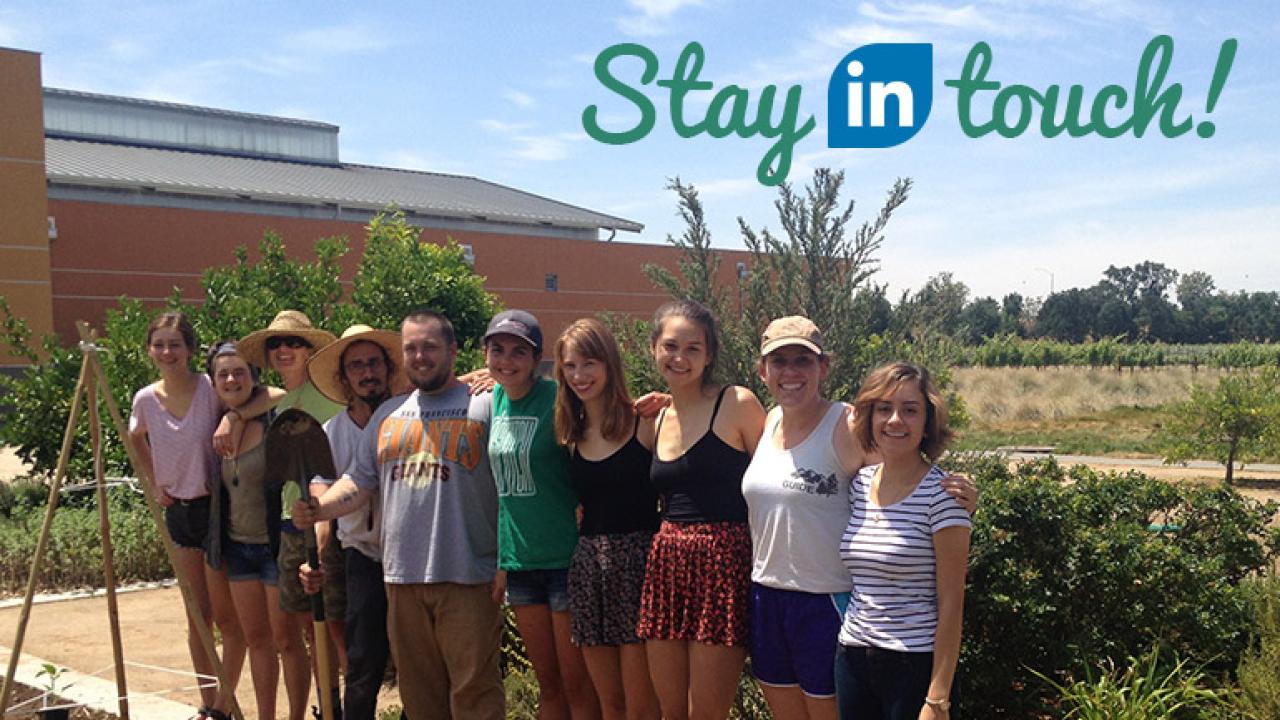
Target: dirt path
<point>76,634</point>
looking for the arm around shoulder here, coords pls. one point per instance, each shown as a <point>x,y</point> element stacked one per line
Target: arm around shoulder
<point>853,457</point>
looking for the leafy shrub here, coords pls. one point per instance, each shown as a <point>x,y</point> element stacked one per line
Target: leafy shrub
<point>1074,567</point>
<point>74,554</point>
<point>1259,681</point>
<point>396,271</point>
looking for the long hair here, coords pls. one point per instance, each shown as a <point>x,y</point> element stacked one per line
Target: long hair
<point>700,315</point>
<point>178,321</point>
<point>592,340</point>
<point>881,383</point>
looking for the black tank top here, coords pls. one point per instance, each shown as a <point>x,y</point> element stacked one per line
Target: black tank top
<point>704,484</point>
<point>615,492</point>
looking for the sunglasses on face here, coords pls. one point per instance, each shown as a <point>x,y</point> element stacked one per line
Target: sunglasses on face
<point>290,341</point>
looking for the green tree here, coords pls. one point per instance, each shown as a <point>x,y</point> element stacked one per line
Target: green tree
<point>979,320</point>
<point>1236,421</point>
<point>935,309</point>
<point>819,266</point>
<point>397,271</point>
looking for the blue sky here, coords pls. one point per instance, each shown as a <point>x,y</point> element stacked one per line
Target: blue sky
<point>497,90</point>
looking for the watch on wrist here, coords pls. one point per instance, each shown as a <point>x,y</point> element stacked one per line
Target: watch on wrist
<point>235,415</point>
<point>944,704</point>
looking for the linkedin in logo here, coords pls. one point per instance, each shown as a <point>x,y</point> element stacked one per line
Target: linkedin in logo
<point>880,95</point>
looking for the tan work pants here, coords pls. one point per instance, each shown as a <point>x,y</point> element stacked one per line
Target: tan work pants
<point>445,639</point>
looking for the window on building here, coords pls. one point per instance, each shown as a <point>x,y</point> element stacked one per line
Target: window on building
<point>553,283</point>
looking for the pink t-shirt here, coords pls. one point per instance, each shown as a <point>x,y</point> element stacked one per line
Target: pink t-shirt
<point>181,448</point>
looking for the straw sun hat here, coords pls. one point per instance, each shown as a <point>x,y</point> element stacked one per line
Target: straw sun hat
<point>324,367</point>
<point>286,323</point>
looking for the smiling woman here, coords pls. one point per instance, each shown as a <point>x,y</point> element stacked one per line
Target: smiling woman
<point>906,547</point>
<point>172,425</point>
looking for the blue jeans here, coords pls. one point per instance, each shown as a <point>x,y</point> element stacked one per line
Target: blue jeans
<point>877,684</point>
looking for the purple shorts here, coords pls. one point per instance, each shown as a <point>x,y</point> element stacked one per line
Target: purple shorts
<point>793,638</point>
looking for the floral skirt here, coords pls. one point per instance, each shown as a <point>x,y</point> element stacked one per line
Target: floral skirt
<point>698,584</point>
<point>605,579</point>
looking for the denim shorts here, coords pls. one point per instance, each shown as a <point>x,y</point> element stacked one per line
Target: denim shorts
<point>250,562</point>
<point>188,522</point>
<point>539,587</point>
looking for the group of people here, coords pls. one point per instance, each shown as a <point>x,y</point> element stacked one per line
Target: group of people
<point>645,547</point>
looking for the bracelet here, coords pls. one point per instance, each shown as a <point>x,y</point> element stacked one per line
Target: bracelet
<point>944,704</point>
<point>236,413</point>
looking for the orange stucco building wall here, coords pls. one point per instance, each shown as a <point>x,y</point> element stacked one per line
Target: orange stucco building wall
<point>105,250</point>
<point>24,233</point>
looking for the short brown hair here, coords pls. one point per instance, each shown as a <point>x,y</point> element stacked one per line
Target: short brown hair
<point>881,383</point>
<point>591,339</point>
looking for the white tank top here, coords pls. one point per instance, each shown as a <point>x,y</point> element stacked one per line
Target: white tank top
<point>798,507</point>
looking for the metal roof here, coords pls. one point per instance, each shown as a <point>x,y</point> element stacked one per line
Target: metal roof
<point>76,162</point>
<point>197,110</point>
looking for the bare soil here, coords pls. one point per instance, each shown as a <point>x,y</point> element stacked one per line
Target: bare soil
<point>76,634</point>
<point>28,702</point>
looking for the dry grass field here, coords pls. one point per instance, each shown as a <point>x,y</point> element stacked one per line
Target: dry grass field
<point>1075,409</point>
<point>1005,395</point>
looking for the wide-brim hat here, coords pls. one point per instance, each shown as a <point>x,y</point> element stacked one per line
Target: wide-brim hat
<point>286,322</point>
<point>324,368</point>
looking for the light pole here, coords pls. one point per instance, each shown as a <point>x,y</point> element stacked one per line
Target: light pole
<point>1050,274</point>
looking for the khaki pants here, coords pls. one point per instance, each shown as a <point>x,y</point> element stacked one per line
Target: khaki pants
<point>445,638</point>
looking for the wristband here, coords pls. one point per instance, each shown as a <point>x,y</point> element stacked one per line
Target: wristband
<point>944,704</point>
<point>238,417</point>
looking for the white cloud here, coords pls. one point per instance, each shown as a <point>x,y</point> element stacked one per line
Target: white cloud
<point>966,18</point>
<point>126,49</point>
<point>519,99</point>
<point>498,126</point>
<point>345,39</point>
<point>8,35</point>
<point>651,17</point>
<point>545,148</point>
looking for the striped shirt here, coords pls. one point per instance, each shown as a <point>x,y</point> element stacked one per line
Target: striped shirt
<point>889,553</point>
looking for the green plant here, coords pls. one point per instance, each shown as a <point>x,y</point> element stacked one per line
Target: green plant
<point>1066,572</point>
<point>1144,689</point>
<point>74,554</point>
<point>1259,695</point>
<point>52,675</point>
<point>1235,421</point>
<point>397,271</point>
<point>521,689</point>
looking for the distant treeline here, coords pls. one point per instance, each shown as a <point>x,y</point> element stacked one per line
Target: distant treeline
<point>1146,303</point>
<point>1012,351</point>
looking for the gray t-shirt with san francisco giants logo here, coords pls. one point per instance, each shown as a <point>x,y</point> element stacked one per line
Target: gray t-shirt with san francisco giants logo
<point>426,455</point>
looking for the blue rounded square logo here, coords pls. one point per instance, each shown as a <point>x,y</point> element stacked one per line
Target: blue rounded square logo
<point>880,95</point>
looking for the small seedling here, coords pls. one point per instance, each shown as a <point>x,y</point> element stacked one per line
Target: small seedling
<point>52,674</point>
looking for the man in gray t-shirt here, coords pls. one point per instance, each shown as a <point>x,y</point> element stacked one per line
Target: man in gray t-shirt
<point>425,455</point>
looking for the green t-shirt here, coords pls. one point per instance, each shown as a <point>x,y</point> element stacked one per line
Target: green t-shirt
<point>304,397</point>
<point>537,529</point>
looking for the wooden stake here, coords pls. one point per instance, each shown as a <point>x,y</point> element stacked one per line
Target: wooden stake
<point>42,542</point>
<point>108,559</point>
<point>157,516</point>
